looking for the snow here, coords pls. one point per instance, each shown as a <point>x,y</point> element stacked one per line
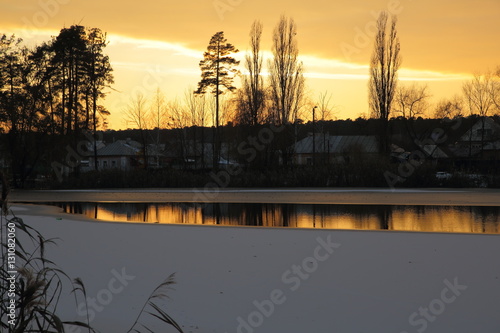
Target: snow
<point>259,190</point>
<point>266,280</point>
<point>349,196</point>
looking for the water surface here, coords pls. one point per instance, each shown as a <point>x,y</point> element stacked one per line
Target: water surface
<point>460,219</point>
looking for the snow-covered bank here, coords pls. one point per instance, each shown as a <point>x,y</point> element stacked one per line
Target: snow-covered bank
<point>376,196</point>
<point>267,280</point>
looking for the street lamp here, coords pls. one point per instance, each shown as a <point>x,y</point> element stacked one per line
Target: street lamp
<point>314,137</point>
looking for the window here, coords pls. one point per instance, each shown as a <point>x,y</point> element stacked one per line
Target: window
<point>105,163</point>
<point>113,164</point>
<point>487,132</point>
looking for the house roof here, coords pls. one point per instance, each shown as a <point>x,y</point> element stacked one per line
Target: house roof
<point>120,148</point>
<point>495,145</point>
<point>325,143</point>
<point>156,149</point>
<point>474,135</point>
<point>434,151</point>
<point>90,145</point>
<point>458,151</point>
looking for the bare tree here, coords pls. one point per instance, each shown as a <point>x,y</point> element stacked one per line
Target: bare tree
<point>178,119</point>
<point>252,95</point>
<point>158,117</point>
<point>478,94</point>
<point>178,116</point>
<point>286,72</point>
<point>411,101</point>
<point>197,117</point>
<point>158,111</point>
<point>196,107</point>
<point>138,115</point>
<point>322,110</point>
<point>227,110</point>
<point>449,108</point>
<point>325,107</point>
<point>384,65</point>
<point>479,98</point>
<point>495,88</point>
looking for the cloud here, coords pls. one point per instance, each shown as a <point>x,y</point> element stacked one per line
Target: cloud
<point>158,45</point>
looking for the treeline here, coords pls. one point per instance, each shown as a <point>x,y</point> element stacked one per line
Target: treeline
<point>51,93</point>
<point>264,169</point>
<point>56,86</point>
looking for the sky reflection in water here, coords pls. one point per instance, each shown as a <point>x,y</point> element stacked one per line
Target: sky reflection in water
<point>361,217</point>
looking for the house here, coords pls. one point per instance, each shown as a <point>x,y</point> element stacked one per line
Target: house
<point>484,130</point>
<point>333,149</point>
<point>121,154</point>
<point>434,151</point>
<point>85,164</point>
<point>482,140</point>
<point>193,155</point>
<point>156,156</point>
<point>197,155</point>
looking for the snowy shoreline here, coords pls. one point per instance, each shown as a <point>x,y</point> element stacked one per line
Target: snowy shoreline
<point>375,196</point>
<point>267,280</point>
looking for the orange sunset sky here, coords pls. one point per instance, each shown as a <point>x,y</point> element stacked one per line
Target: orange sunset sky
<point>160,43</point>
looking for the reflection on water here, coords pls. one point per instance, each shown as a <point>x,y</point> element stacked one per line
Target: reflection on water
<point>363,217</point>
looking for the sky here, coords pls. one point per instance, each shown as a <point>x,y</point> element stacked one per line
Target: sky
<point>158,44</point>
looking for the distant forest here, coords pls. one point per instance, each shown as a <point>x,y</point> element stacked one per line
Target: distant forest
<point>53,122</point>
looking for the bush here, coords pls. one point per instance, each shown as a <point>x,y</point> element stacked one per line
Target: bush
<point>37,284</point>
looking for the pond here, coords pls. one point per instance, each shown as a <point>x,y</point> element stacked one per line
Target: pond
<point>452,219</point>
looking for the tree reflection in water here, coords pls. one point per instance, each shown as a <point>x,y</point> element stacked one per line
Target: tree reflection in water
<point>360,217</point>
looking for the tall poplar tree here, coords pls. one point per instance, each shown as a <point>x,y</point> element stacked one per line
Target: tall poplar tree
<point>286,77</point>
<point>384,66</point>
<point>252,95</point>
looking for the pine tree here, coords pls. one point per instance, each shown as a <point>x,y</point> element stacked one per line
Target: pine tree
<point>217,73</point>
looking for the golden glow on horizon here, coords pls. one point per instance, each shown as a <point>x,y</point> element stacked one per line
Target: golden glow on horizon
<point>143,65</point>
<point>441,42</point>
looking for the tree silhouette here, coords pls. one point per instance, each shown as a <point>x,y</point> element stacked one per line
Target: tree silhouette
<point>252,98</point>
<point>69,49</point>
<point>479,98</point>
<point>80,72</point>
<point>217,73</point>
<point>100,76</point>
<point>286,82</point>
<point>286,78</point>
<point>22,107</point>
<point>384,67</point>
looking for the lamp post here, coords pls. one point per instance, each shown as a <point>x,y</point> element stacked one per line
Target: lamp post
<point>314,137</point>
